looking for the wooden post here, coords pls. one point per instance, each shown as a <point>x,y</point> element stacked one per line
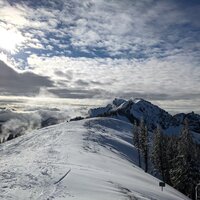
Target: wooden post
<point>196,191</point>
<point>161,184</point>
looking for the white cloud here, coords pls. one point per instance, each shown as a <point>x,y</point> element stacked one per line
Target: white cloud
<point>13,15</point>
<point>170,76</point>
<point>11,39</point>
<point>156,43</point>
<point>137,28</point>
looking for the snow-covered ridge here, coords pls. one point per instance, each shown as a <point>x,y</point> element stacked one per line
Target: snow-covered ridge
<point>137,109</point>
<point>87,159</point>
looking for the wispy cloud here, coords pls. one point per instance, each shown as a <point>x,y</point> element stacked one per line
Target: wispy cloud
<point>101,49</point>
<point>106,28</point>
<point>122,76</point>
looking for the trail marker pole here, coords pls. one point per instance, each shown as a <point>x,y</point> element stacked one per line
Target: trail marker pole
<point>196,191</point>
<point>161,184</point>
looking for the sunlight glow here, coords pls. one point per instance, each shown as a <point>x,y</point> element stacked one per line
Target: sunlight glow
<point>10,40</point>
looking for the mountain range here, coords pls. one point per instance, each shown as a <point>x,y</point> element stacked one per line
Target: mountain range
<point>139,109</point>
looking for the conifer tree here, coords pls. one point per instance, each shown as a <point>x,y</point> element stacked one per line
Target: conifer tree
<point>171,155</point>
<point>159,154</point>
<point>157,150</point>
<point>185,173</point>
<point>143,138</point>
<point>136,141</point>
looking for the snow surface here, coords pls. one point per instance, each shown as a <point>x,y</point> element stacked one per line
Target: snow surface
<point>87,159</point>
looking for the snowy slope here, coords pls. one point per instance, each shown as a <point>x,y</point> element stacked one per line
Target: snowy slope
<point>87,159</point>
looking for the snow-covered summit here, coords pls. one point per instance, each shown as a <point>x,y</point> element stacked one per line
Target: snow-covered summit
<point>87,159</point>
<point>136,109</point>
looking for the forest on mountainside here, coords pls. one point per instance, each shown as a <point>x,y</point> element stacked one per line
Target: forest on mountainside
<point>174,158</point>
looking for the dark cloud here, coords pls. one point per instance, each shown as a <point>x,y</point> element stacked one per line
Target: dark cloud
<point>54,4</point>
<point>96,82</point>
<point>99,83</point>
<point>159,96</point>
<point>14,83</point>
<point>78,93</point>
<point>68,74</point>
<point>82,83</point>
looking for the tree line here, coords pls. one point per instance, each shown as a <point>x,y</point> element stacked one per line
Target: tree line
<point>175,158</point>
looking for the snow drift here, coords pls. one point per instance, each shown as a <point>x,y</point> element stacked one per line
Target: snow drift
<point>87,159</point>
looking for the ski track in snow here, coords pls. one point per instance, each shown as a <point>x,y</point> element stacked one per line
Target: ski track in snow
<point>88,159</point>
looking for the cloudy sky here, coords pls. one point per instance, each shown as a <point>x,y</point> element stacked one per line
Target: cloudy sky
<point>101,49</point>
